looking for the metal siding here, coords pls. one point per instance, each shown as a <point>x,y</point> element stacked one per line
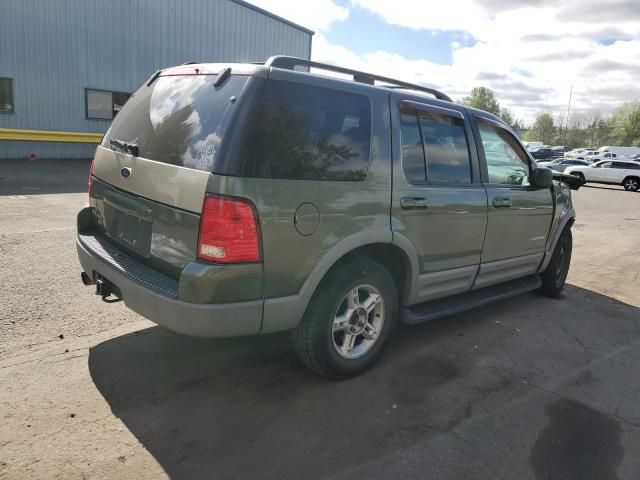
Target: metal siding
<point>54,50</point>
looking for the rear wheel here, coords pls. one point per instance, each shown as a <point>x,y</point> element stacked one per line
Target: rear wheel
<point>631,184</point>
<point>348,321</point>
<point>555,275</point>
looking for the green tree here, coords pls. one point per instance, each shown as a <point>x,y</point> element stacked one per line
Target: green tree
<point>506,116</point>
<point>598,132</point>
<point>482,98</point>
<point>543,130</point>
<point>625,124</point>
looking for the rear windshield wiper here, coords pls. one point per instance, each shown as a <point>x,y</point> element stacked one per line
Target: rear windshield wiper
<point>222,76</point>
<point>125,147</point>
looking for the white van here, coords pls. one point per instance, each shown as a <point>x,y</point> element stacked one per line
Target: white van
<point>619,151</point>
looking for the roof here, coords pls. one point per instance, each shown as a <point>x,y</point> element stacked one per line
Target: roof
<point>274,16</point>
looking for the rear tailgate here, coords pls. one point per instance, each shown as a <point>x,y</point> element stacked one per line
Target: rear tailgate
<point>160,235</point>
<point>151,170</point>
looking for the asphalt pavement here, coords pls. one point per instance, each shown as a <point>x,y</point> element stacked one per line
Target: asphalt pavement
<point>528,388</point>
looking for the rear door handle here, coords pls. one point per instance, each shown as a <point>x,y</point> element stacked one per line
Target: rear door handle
<point>501,202</point>
<point>414,203</point>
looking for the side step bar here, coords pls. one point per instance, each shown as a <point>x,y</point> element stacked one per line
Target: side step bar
<point>424,312</point>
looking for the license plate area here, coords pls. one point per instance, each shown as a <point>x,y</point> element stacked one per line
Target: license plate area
<point>129,228</point>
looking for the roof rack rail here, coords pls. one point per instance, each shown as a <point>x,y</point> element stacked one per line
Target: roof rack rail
<point>289,63</point>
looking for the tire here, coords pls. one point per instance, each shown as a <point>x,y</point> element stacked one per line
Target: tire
<point>631,184</point>
<point>555,275</point>
<point>579,175</point>
<point>328,329</point>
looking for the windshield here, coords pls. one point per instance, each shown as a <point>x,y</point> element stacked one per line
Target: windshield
<point>179,120</point>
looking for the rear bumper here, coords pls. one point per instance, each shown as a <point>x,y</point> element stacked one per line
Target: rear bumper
<point>155,296</point>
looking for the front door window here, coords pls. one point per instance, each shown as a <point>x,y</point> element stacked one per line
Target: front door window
<point>507,163</point>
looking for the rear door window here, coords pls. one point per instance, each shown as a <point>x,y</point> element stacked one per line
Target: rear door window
<point>628,166</point>
<point>445,147</point>
<point>179,120</point>
<point>305,132</point>
<point>434,147</point>
<point>413,163</point>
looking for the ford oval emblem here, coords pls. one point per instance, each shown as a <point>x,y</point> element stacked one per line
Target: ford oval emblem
<point>126,172</point>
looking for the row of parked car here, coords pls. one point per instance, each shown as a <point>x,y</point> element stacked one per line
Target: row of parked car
<point>608,165</point>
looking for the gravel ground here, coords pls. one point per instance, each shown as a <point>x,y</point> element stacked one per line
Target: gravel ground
<point>526,388</point>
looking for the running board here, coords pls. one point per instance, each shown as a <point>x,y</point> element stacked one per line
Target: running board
<point>424,312</point>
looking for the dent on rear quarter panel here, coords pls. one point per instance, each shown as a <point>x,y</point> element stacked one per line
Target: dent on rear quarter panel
<point>172,185</point>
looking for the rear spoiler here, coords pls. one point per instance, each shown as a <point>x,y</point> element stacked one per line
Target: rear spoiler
<point>574,182</point>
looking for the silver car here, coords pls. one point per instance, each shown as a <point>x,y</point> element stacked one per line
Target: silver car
<point>561,164</point>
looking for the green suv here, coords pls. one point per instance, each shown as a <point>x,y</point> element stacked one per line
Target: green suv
<point>241,199</point>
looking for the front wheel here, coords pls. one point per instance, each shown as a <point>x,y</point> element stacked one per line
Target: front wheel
<point>349,320</point>
<point>555,275</point>
<point>631,184</point>
<point>579,175</point>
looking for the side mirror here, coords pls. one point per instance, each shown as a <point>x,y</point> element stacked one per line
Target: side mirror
<point>541,177</point>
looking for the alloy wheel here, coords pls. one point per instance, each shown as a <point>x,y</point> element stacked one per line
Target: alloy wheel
<point>358,321</point>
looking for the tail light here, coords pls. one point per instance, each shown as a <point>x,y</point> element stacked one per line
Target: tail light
<point>90,181</point>
<point>229,231</point>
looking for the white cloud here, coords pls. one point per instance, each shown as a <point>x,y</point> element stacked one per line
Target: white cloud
<point>528,51</point>
<point>317,15</point>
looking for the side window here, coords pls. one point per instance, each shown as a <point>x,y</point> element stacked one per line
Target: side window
<point>412,150</point>
<point>434,147</point>
<point>605,165</point>
<point>445,147</point>
<point>6,95</point>
<point>304,132</point>
<point>625,165</point>
<point>507,163</point>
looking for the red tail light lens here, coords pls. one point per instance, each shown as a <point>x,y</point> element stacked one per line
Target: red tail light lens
<point>229,231</point>
<point>90,181</point>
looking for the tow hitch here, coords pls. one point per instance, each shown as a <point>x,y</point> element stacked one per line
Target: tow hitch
<point>104,287</point>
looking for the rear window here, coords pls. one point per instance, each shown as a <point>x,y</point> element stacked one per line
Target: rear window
<point>179,120</point>
<point>304,132</point>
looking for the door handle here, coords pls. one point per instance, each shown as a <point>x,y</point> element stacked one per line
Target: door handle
<point>414,203</point>
<point>501,202</point>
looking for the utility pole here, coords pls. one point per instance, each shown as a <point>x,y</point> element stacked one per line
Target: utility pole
<point>566,128</point>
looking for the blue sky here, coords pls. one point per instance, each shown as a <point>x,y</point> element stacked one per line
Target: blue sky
<point>363,32</point>
<point>528,52</point>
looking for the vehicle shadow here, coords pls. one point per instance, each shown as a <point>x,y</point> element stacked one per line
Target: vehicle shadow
<point>246,408</point>
<point>35,177</point>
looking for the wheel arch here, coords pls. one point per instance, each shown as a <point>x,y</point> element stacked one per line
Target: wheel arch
<point>379,244</point>
<point>567,219</point>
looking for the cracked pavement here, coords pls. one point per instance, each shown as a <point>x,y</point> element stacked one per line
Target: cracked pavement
<point>526,388</point>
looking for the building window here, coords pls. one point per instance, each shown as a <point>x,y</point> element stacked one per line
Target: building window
<point>103,104</point>
<point>6,95</point>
